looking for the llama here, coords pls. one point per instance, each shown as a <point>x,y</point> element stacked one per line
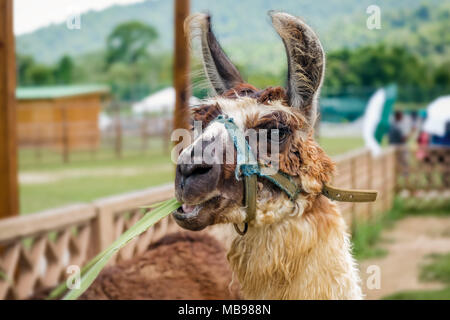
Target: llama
<point>293,249</point>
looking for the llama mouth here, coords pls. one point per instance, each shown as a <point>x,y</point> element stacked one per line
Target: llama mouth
<point>190,212</point>
<point>187,212</point>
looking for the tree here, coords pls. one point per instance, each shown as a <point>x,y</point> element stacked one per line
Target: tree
<point>129,42</point>
<point>64,70</point>
<point>375,66</point>
<point>23,64</point>
<point>39,75</point>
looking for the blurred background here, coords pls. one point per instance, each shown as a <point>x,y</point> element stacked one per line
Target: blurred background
<point>127,48</point>
<point>95,104</point>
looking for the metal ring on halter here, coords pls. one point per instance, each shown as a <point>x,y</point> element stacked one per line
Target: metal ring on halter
<point>241,233</point>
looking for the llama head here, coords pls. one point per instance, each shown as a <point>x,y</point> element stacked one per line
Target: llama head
<point>280,117</point>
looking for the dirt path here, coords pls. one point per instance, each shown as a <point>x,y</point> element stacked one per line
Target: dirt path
<point>408,244</point>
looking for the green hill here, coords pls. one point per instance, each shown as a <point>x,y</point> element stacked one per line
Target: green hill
<point>244,28</point>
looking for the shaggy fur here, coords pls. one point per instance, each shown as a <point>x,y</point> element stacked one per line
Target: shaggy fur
<point>299,256</point>
<point>179,266</point>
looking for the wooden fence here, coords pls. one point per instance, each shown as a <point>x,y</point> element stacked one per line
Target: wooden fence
<point>40,142</point>
<point>36,249</point>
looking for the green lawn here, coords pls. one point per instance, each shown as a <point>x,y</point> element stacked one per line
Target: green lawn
<point>335,146</point>
<point>50,183</point>
<point>443,294</point>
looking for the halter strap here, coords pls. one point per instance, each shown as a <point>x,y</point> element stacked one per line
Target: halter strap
<point>248,167</point>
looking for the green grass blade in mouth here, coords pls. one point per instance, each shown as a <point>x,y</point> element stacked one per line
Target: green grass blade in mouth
<point>92,269</point>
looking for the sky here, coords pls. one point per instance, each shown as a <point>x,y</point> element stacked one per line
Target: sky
<point>30,15</point>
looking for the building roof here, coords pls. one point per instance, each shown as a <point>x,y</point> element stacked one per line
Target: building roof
<point>54,92</point>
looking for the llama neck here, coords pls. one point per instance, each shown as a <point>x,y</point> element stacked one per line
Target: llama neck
<point>302,257</point>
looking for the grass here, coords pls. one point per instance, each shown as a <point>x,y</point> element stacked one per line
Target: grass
<point>91,176</point>
<point>443,294</point>
<point>84,180</point>
<point>438,269</point>
<point>339,145</point>
<point>366,235</point>
<point>92,269</point>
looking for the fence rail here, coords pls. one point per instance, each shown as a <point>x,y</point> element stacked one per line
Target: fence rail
<point>39,142</point>
<point>36,249</point>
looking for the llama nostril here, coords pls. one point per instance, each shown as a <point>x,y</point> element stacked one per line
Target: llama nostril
<point>198,170</point>
<point>196,181</point>
<point>195,170</point>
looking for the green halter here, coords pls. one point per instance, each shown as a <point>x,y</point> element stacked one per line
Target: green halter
<point>248,167</point>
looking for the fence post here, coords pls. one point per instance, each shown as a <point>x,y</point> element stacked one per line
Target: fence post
<point>103,228</point>
<point>385,179</point>
<point>9,191</point>
<point>393,173</point>
<point>118,131</point>
<point>65,134</point>
<point>166,136</point>
<point>353,186</point>
<point>144,133</point>
<point>181,78</point>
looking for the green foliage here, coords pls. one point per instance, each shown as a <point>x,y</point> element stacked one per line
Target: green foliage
<point>379,65</point>
<point>64,71</point>
<point>243,27</point>
<point>411,48</point>
<point>129,42</point>
<point>40,74</point>
<point>31,73</point>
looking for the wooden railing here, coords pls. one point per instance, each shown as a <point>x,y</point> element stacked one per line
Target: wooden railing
<point>36,249</point>
<point>359,170</point>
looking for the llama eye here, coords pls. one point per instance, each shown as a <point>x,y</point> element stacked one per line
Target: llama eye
<point>283,133</point>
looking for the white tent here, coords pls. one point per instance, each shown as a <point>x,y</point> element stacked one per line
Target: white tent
<point>438,114</point>
<point>372,117</point>
<point>162,101</point>
<point>104,121</point>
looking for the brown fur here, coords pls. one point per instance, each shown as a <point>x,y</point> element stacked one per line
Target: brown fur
<point>179,266</point>
<point>183,265</point>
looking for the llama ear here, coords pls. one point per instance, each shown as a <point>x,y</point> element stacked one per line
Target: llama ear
<point>306,62</point>
<point>220,71</point>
